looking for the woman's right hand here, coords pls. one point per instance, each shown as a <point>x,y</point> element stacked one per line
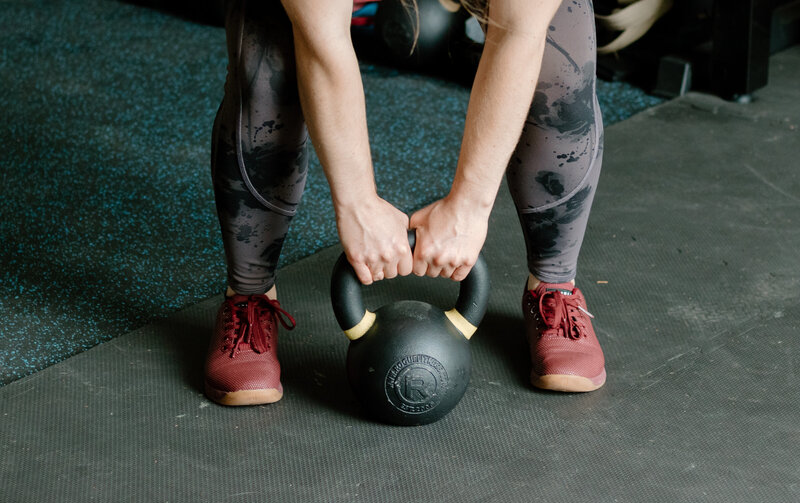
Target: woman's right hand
<point>372,231</point>
<point>374,235</point>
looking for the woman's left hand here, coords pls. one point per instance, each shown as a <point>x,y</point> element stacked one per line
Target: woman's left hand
<point>450,235</point>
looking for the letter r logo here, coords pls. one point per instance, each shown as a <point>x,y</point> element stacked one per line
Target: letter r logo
<point>414,385</point>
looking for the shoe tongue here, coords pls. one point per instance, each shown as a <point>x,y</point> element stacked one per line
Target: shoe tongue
<point>240,302</point>
<point>563,292</point>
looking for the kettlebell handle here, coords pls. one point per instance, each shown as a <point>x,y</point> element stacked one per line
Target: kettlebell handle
<point>355,319</point>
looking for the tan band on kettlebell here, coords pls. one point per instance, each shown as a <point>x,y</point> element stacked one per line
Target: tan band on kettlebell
<point>361,328</point>
<point>465,327</point>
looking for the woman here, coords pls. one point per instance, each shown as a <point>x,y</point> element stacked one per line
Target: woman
<point>532,115</point>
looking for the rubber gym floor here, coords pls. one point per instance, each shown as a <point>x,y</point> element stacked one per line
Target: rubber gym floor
<point>689,265</point>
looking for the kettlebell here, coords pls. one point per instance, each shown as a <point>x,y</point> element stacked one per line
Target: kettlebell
<point>408,363</point>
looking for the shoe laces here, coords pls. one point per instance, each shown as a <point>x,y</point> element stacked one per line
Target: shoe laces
<point>559,311</point>
<point>246,322</point>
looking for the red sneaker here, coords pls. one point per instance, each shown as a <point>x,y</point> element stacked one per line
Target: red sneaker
<point>565,352</point>
<point>242,363</point>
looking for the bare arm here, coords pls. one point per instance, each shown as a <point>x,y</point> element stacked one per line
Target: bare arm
<point>451,232</point>
<point>372,232</point>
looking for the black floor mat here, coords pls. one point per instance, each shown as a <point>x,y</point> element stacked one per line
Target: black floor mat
<point>690,266</point>
<point>107,215</point>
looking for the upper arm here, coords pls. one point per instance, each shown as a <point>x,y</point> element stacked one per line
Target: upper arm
<point>520,18</point>
<point>319,22</point>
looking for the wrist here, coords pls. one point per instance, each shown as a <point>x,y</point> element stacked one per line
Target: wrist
<point>351,181</point>
<point>355,200</point>
<point>473,196</point>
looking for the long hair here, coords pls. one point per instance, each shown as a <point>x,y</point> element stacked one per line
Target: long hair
<point>477,8</point>
<point>632,21</point>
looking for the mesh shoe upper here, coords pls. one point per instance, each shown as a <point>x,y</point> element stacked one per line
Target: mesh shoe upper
<point>560,332</point>
<point>243,351</point>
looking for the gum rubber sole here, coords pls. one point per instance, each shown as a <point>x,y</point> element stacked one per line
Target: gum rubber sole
<point>568,383</point>
<point>244,397</point>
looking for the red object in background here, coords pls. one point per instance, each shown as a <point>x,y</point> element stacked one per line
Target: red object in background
<point>364,12</point>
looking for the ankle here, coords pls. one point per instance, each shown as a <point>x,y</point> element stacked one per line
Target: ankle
<point>271,294</point>
<point>533,282</point>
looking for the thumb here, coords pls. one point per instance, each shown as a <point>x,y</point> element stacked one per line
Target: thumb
<point>413,222</point>
<point>418,218</point>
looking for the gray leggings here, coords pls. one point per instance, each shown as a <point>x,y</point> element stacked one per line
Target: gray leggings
<point>260,160</point>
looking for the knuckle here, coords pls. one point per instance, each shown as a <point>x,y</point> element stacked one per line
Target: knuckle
<point>437,259</point>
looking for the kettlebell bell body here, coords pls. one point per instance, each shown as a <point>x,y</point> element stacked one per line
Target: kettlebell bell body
<point>411,367</point>
<point>408,363</point>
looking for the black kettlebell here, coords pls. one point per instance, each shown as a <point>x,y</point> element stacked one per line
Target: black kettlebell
<point>408,363</point>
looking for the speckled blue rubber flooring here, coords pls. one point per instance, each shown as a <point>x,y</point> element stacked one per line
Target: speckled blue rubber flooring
<point>107,218</point>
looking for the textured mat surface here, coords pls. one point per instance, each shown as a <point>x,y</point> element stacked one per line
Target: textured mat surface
<point>107,217</point>
<point>689,266</point>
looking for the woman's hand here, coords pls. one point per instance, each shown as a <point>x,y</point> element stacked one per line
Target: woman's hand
<point>374,235</point>
<point>372,231</point>
<point>451,232</point>
<point>450,235</point>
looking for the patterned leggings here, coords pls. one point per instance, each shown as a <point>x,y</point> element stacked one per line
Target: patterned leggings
<point>260,159</point>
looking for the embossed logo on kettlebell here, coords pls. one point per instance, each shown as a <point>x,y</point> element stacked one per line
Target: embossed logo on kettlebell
<point>416,384</point>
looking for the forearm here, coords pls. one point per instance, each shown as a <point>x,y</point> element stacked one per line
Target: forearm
<point>372,231</point>
<point>501,97</point>
<point>332,97</point>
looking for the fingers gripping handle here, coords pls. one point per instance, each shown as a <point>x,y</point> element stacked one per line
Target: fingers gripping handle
<point>355,319</point>
<point>348,304</point>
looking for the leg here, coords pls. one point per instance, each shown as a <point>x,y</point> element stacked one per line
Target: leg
<point>259,155</point>
<point>259,165</point>
<point>554,171</point>
<point>552,177</point>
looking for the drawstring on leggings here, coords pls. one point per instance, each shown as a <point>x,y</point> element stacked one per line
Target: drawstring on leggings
<point>239,155</point>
